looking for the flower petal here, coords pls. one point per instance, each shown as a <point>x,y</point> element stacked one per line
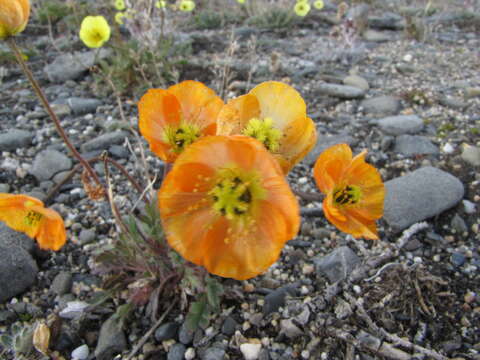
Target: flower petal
<point>236,114</point>
<point>330,167</point>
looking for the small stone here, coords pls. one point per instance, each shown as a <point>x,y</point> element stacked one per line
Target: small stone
<point>459,224</point>
<point>73,310</point>
<point>472,92</point>
<point>250,351</point>
<point>80,353</point>
<point>471,154</point>
<point>190,354</point>
<point>111,339</point>
<point>376,36</point>
<point>381,105</point>
<point>166,331</point>
<point>457,259</point>
<point>338,264</point>
<point>82,106</point>
<point>410,145</point>
<point>469,207</point>
<point>214,353</point>
<point>86,236</point>
<point>62,283</point>
<point>448,148</point>
<point>103,142</point>
<point>401,124</point>
<point>15,139</point>
<point>470,297</point>
<point>47,163</point>
<point>176,352</point>
<point>229,326</point>
<point>340,91</point>
<point>407,57</point>
<point>290,330</point>
<point>356,81</point>
<point>185,335</point>
<point>276,298</point>
<point>417,196</point>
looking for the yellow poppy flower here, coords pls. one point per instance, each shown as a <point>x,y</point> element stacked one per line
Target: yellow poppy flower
<point>94,31</point>
<point>119,18</point>
<point>318,4</point>
<point>186,5</point>
<point>119,5</point>
<point>226,205</point>
<point>28,215</point>
<point>160,4</point>
<point>174,118</point>
<point>275,114</point>
<point>14,16</point>
<point>302,8</point>
<point>355,191</point>
<point>241,1</point>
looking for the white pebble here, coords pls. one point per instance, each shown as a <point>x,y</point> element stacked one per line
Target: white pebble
<point>408,58</point>
<point>190,354</point>
<point>73,310</point>
<point>357,289</point>
<point>448,148</point>
<point>417,260</point>
<point>250,351</point>
<point>80,353</point>
<point>469,206</point>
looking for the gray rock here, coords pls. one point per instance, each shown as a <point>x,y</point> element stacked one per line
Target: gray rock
<point>62,283</point>
<point>290,330</point>
<point>72,66</point>
<point>357,81</point>
<point>457,259</point>
<point>4,188</point>
<point>18,270</point>
<point>324,142</point>
<point>229,326</point>
<point>47,163</point>
<point>9,237</point>
<point>459,224</point>
<point>409,145</point>
<point>276,298</point>
<point>340,91</point>
<point>14,139</point>
<point>376,36</point>
<point>111,340</point>
<point>471,154</point>
<point>166,331</point>
<point>185,335</point>
<point>381,105</point>
<point>338,264</point>
<point>60,110</point>
<point>118,151</point>
<point>213,353</point>
<point>86,236</point>
<point>401,124</point>
<point>81,106</point>
<point>103,142</point>
<point>453,102</point>
<point>387,21</point>
<point>176,352</point>
<point>417,196</point>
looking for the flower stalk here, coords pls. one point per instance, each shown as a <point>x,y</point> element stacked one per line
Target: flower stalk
<point>38,90</point>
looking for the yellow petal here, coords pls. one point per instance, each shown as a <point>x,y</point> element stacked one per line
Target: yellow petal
<point>330,167</point>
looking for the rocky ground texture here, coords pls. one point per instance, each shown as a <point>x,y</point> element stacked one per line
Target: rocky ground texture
<point>415,105</point>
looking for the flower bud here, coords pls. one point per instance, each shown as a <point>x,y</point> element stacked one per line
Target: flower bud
<point>13,17</point>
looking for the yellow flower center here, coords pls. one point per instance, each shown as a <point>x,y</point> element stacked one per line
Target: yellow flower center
<point>235,192</point>
<point>263,131</point>
<point>32,218</point>
<point>179,138</point>
<point>348,195</point>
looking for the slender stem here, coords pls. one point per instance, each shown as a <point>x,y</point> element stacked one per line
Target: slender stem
<point>38,90</point>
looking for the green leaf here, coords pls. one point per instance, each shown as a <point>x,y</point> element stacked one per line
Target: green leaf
<point>198,313</point>
<point>214,292</point>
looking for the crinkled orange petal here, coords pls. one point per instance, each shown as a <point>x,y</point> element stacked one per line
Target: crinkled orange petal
<point>349,222</point>
<point>49,230</point>
<point>236,114</point>
<point>226,247</point>
<point>158,109</point>
<point>330,167</point>
<point>200,105</point>
<point>188,102</point>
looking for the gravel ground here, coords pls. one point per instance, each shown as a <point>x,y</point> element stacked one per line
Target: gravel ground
<point>414,105</point>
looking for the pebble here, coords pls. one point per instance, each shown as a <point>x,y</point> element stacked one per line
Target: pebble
<point>103,142</point>
<point>82,106</point>
<point>176,352</point>
<point>229,326</point>
<point>338,264</point>
<point>469,206</point>
<point>381,105</point>
<point>166,331</point>
<point>73,310</point>
<point>419,195</point>
<point>410,145</point>
<point>340,91</point>
<point>290,330</point>
<point>190,354</point>
<point>47,163</point>
<point>111,340</point>
<point>15,139</point>
<point>86,236</point>
<point>471,154</point>
<point>400,124</point>
<point>213,353</point>
<point>250,351</point>
<point>185,335</point>
<point>276,298</point>
<point>356,81</point>
<point>448,148</point>
<point>80,353</point>
<point>62,283</point>
<point>457,259</point>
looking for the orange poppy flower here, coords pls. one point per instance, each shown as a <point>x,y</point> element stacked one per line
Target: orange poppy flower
<point>354,189</point>
<point>225,205</point>
<point>174,118</point>
<point>14,16</point>
<point>28,215</point>
<point>275,114</point>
